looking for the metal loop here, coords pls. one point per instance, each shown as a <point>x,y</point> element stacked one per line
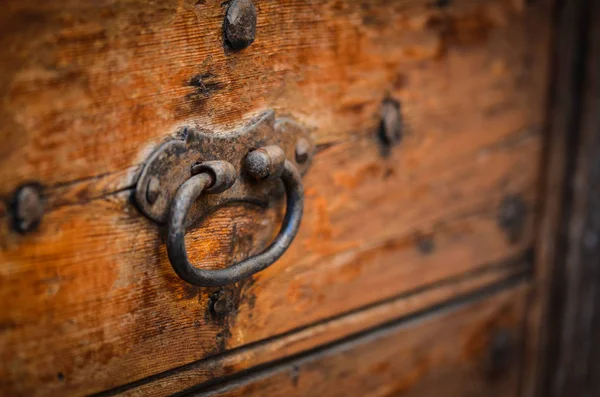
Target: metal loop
<point>190,191</point>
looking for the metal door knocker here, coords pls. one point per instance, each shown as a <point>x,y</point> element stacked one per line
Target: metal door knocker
<point>184,178</point>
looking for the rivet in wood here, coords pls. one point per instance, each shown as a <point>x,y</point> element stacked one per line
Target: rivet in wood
<point>390,131</point>
<point>28,208</point>
<point>220,307</point>
<point>425,244</point>
<point>511,217</point>
<point>500,353</point>
<point>240,24</point>
<point>220,303</point>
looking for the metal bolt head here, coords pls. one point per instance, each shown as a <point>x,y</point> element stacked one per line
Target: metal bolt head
<point>258,164</point>
<point>240,24</point>
<point>425,244</point>
<point>266,162</point>
<point>220,303</point>
<point>28,208</point>
<point>391,122</point>
<point>511,217</point>
<point>152,190</point>
<point>302,150</point>
<point>220,306</point>
<point>500,353</point>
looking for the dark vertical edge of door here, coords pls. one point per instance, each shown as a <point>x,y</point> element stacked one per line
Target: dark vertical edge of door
<point>565,311</point>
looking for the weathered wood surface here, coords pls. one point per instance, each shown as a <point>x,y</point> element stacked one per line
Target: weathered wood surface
<point>327,332</point>
<point>93,289</point>
<point>90,88</point>
<point>473,350</point>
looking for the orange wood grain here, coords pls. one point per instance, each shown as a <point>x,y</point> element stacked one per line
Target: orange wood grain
<point>89,89</point>
<point>93,287</point>
<point>326,332</point>
<point>470,350</point>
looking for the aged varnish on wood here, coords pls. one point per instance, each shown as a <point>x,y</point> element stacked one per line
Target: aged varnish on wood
<point>428,120</point>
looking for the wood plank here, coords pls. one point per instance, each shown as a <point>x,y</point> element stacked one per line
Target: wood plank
<point>470,350</point>
<point>94,303</point>
<point>329,331</point>
<point>97,273</point>
<point>90,89</point>
<point>93,287</point>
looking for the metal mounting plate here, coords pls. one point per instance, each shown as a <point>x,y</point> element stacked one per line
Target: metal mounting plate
<point>169,166</point>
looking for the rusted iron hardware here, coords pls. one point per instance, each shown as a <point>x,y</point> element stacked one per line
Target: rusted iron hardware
<point>512,217</point>
<point>391,122</point>
<point>186,179</point>
<point>240,24</point>
<point>27,207</point>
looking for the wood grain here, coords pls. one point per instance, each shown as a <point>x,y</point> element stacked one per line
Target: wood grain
<point>89,89</point>
<point>326,332</point>
<point>93,287</point>
<point>470,350</point>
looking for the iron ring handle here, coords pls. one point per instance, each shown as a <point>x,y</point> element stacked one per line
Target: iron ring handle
<point>190,191</point>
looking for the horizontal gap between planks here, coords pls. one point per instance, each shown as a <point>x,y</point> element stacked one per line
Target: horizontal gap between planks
<point>233,381</point>
<point>53,197</point>
<point>524,259</point>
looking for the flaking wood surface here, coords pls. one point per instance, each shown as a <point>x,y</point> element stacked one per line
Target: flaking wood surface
<point>468,351</point>
<point>90,88</point>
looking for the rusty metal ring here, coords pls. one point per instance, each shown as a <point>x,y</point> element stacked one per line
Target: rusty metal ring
<point>190,191</point>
